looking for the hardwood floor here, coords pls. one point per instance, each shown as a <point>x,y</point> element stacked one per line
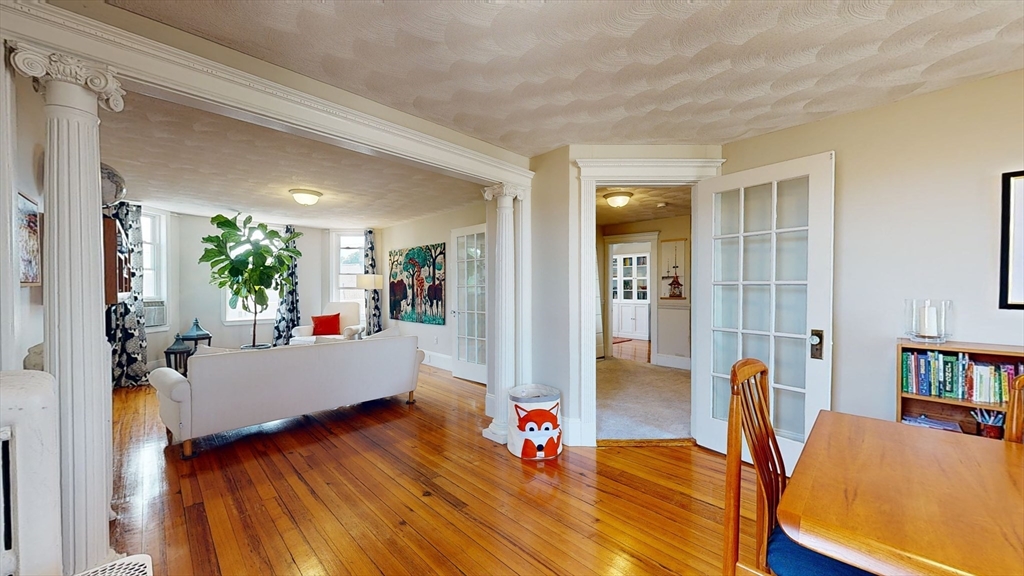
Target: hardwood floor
<point>389,488</point>
<point>635,350</point>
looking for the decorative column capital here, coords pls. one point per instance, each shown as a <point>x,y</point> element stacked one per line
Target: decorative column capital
<point>514,191</point>
<point>45,66</point>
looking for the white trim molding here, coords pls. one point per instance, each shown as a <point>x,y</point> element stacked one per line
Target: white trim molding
<point>437,360</point>
<point>670,361</point>
<point>149,67</point>
<point>10,266</point>
<point>608,172</point>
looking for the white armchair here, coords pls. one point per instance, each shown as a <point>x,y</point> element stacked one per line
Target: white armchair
<point>351,329</point>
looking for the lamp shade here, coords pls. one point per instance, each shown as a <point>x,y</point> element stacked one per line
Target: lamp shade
<point>618,199</point>
<point>196,332</point>
<point>305,197</point>
<point>369,281</point>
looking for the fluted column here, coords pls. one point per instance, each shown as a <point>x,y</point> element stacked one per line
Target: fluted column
<point>504,315</point>
<point>76,351</point>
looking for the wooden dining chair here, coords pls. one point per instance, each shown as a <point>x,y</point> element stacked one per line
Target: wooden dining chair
<point>774,551</point>
<point>1014,427</point>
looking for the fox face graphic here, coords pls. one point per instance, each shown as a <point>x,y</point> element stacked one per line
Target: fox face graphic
<point>542,435</point>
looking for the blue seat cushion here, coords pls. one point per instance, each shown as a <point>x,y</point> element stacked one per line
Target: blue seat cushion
<point>787,558</point>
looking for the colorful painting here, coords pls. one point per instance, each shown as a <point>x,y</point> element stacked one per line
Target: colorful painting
<point>29,242</point>
<point>417,284</point>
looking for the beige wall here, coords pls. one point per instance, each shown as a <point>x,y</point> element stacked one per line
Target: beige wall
<point>184,41</point>
<point>917,215</point>
<point>200,299</point>
<point>431,230</point>
<point>28,180</point>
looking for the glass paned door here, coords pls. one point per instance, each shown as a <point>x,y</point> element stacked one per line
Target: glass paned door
<point>469,307</point>
<point>765,269</point>
<point>630,296</point>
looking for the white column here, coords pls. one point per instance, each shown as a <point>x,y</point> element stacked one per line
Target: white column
<point>76,351</point>
<point>504,315</point>
<point>10,272</point>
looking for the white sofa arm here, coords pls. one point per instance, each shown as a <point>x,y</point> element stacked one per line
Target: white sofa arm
<point>171,384</point>
<point>420,357</point>
<point>301,331</point>
<point>351,332</point>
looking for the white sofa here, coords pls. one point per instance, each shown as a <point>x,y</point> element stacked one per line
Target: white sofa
<point>351,329</point>
<point>234,389</point>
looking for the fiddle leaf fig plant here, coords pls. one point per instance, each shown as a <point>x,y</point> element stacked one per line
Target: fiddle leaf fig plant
<point>249,260</point>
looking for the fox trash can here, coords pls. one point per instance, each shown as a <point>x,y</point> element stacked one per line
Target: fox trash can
<point>534,423</point>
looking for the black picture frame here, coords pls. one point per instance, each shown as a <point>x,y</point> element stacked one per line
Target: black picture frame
<point>1009,258</point>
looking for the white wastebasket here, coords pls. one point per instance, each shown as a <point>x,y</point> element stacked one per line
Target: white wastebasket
<point>534,422</point>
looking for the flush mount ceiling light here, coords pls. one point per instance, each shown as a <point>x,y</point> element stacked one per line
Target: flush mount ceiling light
<point>618,199</point>
<point>305,197</point>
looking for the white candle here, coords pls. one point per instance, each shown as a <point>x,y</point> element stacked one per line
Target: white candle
<point>928,320</point>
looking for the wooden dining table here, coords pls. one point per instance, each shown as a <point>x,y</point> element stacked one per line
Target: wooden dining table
<point>898,499</point>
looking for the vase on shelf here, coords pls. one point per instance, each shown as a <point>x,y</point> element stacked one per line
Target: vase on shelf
<point>927,320</point>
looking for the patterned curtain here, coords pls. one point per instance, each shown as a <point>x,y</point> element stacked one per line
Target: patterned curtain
<point>126,324</point>
<point>288,309</point>
<point>373,319</point>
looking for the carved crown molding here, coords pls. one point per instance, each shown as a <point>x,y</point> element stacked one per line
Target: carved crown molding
<point>515,191</point>
<point>45,65</point>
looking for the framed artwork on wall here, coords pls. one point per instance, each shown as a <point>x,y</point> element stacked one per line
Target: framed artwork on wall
<point>1011,274</point>
<point>416,289</point>
<point>672,269</point>
<point>29,239</point>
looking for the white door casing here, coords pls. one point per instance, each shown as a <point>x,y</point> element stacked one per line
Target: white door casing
<point>763,254</point>
<point>581,401</point>
<point>467,302</point>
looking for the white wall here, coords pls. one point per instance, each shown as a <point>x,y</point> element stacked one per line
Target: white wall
<point>917,215</point>
<point>197,298</point>
<point>435,340</point>
<point>28,180</point>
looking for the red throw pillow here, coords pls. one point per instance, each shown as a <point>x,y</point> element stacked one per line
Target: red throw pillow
<point>327,325</point>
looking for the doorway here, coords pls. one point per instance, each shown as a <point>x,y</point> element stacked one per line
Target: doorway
<point>629,277</point>
<point>468,304</point>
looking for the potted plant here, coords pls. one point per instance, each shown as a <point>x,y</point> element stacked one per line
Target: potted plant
<point>249,260</point>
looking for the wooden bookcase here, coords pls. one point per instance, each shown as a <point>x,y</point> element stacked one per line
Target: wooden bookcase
<point>950,409</point>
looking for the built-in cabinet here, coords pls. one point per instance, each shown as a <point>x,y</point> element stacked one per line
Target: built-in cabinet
<point>630,289</point>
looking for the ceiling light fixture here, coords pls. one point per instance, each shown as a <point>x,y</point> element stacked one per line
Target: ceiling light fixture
<point>305,197</point>
<point>618,199</point>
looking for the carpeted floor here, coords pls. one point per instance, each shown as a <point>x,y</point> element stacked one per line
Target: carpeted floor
<point>638,401</point>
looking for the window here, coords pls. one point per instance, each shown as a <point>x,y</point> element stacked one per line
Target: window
<point>348,248</point>
<point>238,315</point>
<point>154,256</point>
<point>154,269</point>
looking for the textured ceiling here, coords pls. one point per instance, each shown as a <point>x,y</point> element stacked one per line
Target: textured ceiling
<point>643,205</point>
<point>194,162</point>
<point>533,76</point>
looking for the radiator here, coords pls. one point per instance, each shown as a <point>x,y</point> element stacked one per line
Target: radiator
<point>30,478</point>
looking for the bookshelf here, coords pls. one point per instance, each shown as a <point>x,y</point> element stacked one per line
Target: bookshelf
<point>951,409</point>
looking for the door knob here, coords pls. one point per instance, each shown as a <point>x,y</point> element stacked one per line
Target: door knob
<point>817,345</point>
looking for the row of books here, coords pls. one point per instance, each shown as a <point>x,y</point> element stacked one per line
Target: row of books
<point>958,377</point>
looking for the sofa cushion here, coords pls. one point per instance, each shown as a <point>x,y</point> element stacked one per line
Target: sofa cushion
<point>327,325</point>
<point>203,350</point>
<point>388,333</point>
<point>328,339</point>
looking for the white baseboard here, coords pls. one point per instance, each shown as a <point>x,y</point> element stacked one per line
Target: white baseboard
<point>574,435</point>
<point>671,361</point>
<point>440,361</point>
<point>489,405</point>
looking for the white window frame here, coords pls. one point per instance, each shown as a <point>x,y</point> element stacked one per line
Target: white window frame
<point>159,269</point>
<point>238,316</point>
<point>334,268</point>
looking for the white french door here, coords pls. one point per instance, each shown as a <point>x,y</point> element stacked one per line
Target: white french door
<point>468,303</point>
<point>763,278</point>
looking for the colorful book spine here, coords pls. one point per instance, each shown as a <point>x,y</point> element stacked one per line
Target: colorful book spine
<point>907,360</point>
<point>922,375</point>
<point>949,376</point>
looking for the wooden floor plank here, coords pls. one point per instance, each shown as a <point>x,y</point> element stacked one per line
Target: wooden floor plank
<point>388,488</point>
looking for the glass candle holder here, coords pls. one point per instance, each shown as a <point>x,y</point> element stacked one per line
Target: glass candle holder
<point>927,320</point>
